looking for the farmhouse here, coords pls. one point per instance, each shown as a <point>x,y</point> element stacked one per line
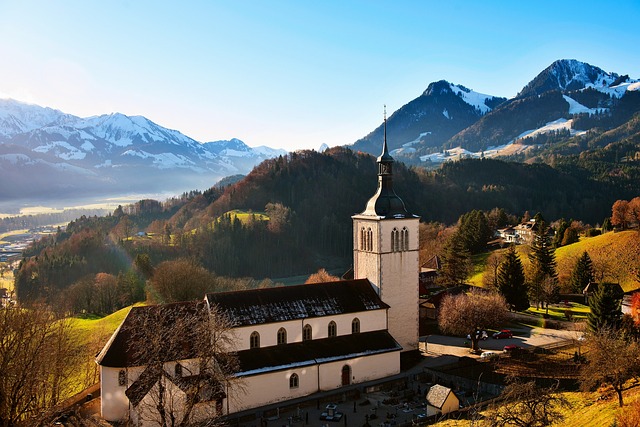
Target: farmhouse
<point>290,341</point>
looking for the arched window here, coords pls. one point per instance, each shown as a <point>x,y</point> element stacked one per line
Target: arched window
<point>369,245</point>
<point>355,326</point>
<point>254,340</point>
<point>122,377</point>
<point>294,381</point>
<point>395,244</point>
<point>333,329</point>
<point>282,336</point>
<point>362,239</point>
<point>405,239</point>
<point>178,370</point>
<point>306,333</point>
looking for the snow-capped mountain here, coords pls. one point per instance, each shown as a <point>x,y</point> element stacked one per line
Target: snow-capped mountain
<point>565,91</point>
<point>430,120</point>
<point>118,152</point>
<point>449,118</point>
<point>569,75</point>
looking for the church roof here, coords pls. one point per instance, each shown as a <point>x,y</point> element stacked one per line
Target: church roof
<point>123,348</point>
<point>269,305</point>
<point>299,354</point>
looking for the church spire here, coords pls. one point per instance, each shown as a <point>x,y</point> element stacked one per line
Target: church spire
<point>386,203</point>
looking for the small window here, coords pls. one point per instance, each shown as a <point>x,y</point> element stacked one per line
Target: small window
<point>333,329</point>
<point>122,377</point>
<point>362,239</point>
<point>306,333</point>
<point>394,240</point>
<point>405,239</point>
<point>178,370</point>
<point>282,336</point>
<point>355,326</point>
<point>293,381</point>
<point>254,340</point>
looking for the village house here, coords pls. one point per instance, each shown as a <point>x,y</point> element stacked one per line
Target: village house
<point>290,341</point>
<point>441,400</point>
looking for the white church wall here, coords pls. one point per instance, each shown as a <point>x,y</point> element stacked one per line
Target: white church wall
<point>363,369</point>
<point>371,320</point>
<point>271,387</point>
<point>404,310</point>
<point>114,404</point>
<point>268,333</point>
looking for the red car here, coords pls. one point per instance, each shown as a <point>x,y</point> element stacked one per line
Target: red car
<point>505,333</point>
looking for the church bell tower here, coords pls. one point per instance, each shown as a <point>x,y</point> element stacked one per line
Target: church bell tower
<point>385,251</point>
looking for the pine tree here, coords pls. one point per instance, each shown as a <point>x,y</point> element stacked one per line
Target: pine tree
<point>605,308</point>
<point>543,263</point>
<point>456,262</point>
<point>582,273</point>
<point>511,281</point>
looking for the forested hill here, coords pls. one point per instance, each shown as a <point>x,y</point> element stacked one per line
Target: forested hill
<point>338,183</point>
<point>308,198</point>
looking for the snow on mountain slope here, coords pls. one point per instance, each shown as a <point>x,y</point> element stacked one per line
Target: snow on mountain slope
<point>576,108</point>
<point>553,126</point>
<point>475,99</point>
<point>17,117</point>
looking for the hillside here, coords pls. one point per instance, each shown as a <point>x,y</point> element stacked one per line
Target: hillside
<point>615,256</point>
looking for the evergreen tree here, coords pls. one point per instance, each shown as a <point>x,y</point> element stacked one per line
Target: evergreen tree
<point>605,308</point>
<point>582,273</point>
<point>475,231</point>
<point>456,262</point>
<point>511,281</point>
<point>557,238</point>
<point>543,264</point>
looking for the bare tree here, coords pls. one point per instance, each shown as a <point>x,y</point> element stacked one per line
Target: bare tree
<point>490,276</point>
<point>187,353</point>
<point>181,280</point>
<point>467,313</point>
<point>321,276</point>
<point>526,404</point>
<point>36,363</point>
<point>612,360</point>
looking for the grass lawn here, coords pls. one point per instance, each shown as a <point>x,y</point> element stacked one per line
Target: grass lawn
<point>557,311</point>
<point>90,335</point>
<point>585,409</point>
<point>6,281</point>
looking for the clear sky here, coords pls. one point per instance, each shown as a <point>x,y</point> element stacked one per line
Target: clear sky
<point>292,74</point>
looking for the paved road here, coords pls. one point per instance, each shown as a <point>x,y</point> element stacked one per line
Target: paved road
<point>524,337</point>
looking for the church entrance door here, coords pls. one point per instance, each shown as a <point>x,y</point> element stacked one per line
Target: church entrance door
<point>346,375</point>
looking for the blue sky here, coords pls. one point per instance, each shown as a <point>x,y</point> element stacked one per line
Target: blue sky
<point>292,74</point>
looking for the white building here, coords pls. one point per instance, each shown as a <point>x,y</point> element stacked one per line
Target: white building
<point>291,341</point>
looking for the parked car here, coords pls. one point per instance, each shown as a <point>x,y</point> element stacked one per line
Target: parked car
<point>482,335</point>
<point>488,354</point>
<point>505,333</point>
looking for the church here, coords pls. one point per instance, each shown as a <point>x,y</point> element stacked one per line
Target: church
<point>291,341</point>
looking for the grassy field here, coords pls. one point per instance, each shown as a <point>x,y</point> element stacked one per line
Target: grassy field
<point>6,280</point>
<point>614,256</point>
<point>558,311</point>
<point>90,335</point>
<point>585,410</point>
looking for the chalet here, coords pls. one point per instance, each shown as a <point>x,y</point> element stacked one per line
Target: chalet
<point>290,341</point>
<point>441,400</point>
